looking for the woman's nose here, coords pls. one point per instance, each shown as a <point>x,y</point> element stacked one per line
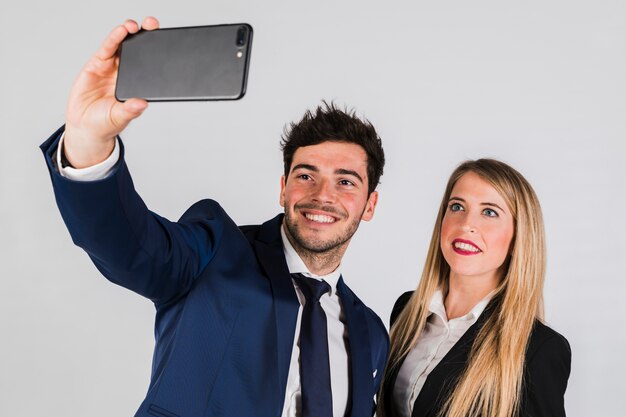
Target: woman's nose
<point>468,228</point>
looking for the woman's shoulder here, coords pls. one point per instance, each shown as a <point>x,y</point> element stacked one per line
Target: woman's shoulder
<point>401,302</point>
<point>545,341</point>
<point>546,373</point>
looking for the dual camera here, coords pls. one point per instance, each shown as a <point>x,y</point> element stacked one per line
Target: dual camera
<point>242,36</point>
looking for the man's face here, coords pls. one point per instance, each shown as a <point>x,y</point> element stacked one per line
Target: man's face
<point>325,195</point>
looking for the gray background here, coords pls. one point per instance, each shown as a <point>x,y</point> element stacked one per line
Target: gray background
<point>538,84</point>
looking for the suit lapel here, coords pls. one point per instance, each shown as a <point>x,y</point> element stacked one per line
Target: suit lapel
<point>269,250</point>
<point>362,380</point>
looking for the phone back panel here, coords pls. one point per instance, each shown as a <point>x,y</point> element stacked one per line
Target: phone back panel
<point>192,63</point>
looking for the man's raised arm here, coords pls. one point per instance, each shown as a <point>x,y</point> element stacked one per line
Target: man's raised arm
<point>94,116</point>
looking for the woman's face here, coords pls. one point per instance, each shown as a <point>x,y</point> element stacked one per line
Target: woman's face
<point>477,229</point>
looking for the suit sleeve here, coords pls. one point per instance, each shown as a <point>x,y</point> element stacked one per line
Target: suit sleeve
<point>547,372</point>
<point>129,244</point>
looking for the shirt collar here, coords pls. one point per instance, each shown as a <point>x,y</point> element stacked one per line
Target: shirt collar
<point>437,306</point>
<point>296,265</point>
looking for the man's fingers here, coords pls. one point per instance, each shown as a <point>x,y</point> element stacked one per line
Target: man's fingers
<point>111,44</point>
<point>136,105</point>
<point>123,113</point>
<point>131,26</point>
<point>150,23</point>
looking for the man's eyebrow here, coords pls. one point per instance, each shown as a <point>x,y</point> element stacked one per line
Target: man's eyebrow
<point>342,171</point>
<point>305,166</point>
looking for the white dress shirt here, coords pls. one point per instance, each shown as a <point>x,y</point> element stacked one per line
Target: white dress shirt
<point>336,321</point>
<point>437,339</point>
<point>92,173</point>
<point>337,340</point>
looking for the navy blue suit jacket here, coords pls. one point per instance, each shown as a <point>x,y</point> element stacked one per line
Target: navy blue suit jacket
<point>225,304</point>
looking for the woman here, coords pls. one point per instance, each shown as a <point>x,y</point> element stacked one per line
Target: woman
<point>470,340</point>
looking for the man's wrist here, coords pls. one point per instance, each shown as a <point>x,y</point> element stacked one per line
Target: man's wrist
<point>64,161</point>
<point>94,172</point>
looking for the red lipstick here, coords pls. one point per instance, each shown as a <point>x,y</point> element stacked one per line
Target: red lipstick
<point>469,248</point>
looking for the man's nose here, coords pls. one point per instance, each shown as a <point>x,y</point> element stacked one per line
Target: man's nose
<point>324,192</point>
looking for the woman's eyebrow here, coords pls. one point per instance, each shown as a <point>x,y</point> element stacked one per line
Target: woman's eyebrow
<point>491,204</point>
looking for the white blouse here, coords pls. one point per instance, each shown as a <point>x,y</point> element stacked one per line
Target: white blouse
<point>437,339</point>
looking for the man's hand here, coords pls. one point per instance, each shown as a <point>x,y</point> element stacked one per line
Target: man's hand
<point>94,117</point>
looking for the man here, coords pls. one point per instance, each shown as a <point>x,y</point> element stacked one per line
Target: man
<point>250,321</point>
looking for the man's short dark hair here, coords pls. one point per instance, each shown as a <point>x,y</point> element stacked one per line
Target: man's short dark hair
<point>329,123</point>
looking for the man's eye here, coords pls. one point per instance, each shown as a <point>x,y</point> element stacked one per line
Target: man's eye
<point>456,207</point>
<point>346,182</point>
<point>490,213</point>
<point>304,176</point>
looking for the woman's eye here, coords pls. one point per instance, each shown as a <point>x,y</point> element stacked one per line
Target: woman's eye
<point>456,207</point>
<point>490,213</point>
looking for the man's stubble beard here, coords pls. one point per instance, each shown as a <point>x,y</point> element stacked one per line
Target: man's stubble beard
<point>318,247</point>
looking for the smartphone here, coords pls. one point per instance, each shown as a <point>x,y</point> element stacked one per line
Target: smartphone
<point>188,63</point>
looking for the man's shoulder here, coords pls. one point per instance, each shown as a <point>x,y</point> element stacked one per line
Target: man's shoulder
<point>208,209</point>
<point>250,230</point>
<point>210,215</point>
<point>204,209</point>
<point>268,232</point>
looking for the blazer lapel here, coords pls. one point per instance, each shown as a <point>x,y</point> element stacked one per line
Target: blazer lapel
<point>390,406</point>
<point>269,251</point>
<point>444,375</point>
<point>362,379</point>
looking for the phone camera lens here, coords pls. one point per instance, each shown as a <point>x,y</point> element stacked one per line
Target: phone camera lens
<point>241,36</point>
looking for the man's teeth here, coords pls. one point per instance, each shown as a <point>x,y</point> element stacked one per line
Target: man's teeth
<point>466,247</point>
<point>320,218</point>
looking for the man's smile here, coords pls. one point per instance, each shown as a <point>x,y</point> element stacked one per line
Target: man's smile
<point>320,218</point>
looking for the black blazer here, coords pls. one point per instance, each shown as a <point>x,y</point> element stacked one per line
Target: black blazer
<point>547,368</point>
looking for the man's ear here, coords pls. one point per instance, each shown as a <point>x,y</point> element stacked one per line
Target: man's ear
<point>370,206</point>
<point>282,190</point>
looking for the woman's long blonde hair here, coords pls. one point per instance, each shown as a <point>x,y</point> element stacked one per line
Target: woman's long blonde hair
<point>491,383</point>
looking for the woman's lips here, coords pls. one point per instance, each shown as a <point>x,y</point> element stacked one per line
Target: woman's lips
<point>465,247</point>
